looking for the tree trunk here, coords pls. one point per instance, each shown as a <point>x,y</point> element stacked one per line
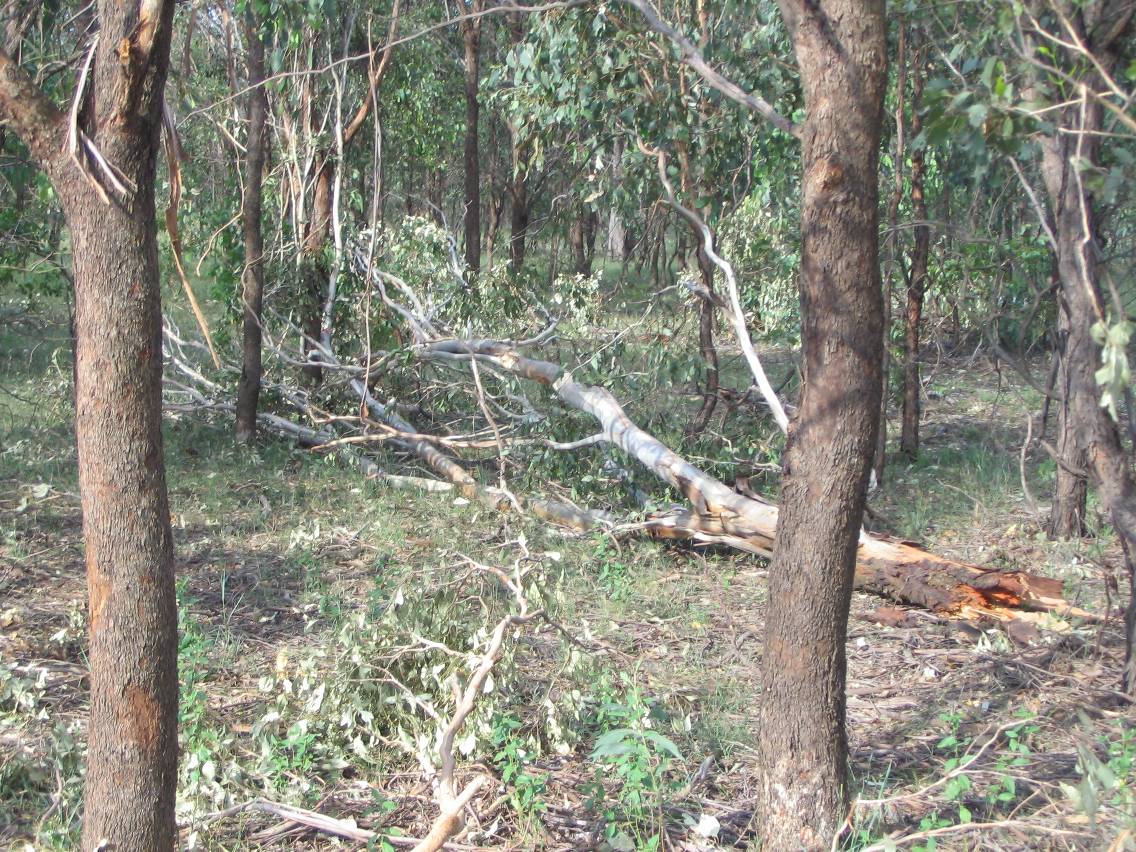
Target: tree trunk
<point>706,348</point>
<point>591,227</point>
<point>471,39</point>
<point>879,463</point>
<point>1092,431</point>
<point>802,793</point>
<point>616,232</point>
<point>497,191</point>
<point>917,283</point>
<point>741,519</point>
<point>132,741</point>
<point>576,239</point>
<point>248,389</point>
<point>519,217</point>
<point>132,732</point>
<point>1071,488</point>
<point>436,183</point>
<point>313,267</point>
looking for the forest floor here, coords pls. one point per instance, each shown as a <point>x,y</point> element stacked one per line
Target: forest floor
<point>299,583</point>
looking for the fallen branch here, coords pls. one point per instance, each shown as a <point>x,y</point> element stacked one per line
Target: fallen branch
<point>316,821</point>
<point>899,570</point>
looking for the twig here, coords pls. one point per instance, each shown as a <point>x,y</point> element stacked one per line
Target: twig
<point>735,314</point>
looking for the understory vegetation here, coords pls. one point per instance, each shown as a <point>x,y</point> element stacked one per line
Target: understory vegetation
<point>324,618</point>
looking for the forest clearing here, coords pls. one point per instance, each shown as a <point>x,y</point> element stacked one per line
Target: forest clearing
<point>586,425</point>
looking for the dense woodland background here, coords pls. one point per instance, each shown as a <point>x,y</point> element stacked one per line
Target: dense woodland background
<point>432,483</point>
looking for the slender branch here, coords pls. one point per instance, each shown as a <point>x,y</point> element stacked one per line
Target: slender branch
<point>693,58</point>
<point>734,313</point>
<point>375,77</point>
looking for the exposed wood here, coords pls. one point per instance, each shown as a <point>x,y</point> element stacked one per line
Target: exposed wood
<point>899,570</point>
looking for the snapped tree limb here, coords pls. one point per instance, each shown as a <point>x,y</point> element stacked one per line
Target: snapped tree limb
<point>896,569</point>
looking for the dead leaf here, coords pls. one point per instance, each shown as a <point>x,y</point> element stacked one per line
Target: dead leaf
<point>1023,633</point>
<point>890,616</point>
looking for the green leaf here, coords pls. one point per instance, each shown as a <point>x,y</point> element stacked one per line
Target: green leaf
<point>614,743</point>
<point>662,743</point>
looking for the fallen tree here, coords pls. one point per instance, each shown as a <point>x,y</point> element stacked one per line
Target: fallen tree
<point>718,514</point>
<point>899,570</point>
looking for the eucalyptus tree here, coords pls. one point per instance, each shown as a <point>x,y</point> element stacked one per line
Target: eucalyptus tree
<point>841,52</point>
<point>252,278</point>
<point>422,121</point>
<point>340,71</point>
<point>100,156</point>
<point>1077,47</point>
<point>600,76</point>
<point>1047,77</point>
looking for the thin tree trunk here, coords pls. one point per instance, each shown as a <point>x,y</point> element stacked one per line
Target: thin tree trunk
<point>471,40</point>
<point>1071,488</point>
<point>519,217</point>
<point>616,232</point>
<point>314,270</point>
<point>248,389</point>
<point>591,227</point>
<point>576,238</point>
<point>880,463</point>
<point>132,733</point>
<point>917,283</point>
<point>706,348</point>
<point>313,267</point>
<point>802,793</point>
<point>497,192</point>
<point>437,191</point>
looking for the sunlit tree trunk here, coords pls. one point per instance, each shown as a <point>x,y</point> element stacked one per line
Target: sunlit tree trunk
<point>802,793</point>
<point>132,732</point>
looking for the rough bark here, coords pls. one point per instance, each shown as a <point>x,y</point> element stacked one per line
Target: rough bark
<point>471,42</point>
<point>1071,488</point>
<point>132,733</point>
<point>252,286</point>
<point>802,794</point>
<point>917,282</point>
<point>132,742</point>
<point>1100,27</point>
